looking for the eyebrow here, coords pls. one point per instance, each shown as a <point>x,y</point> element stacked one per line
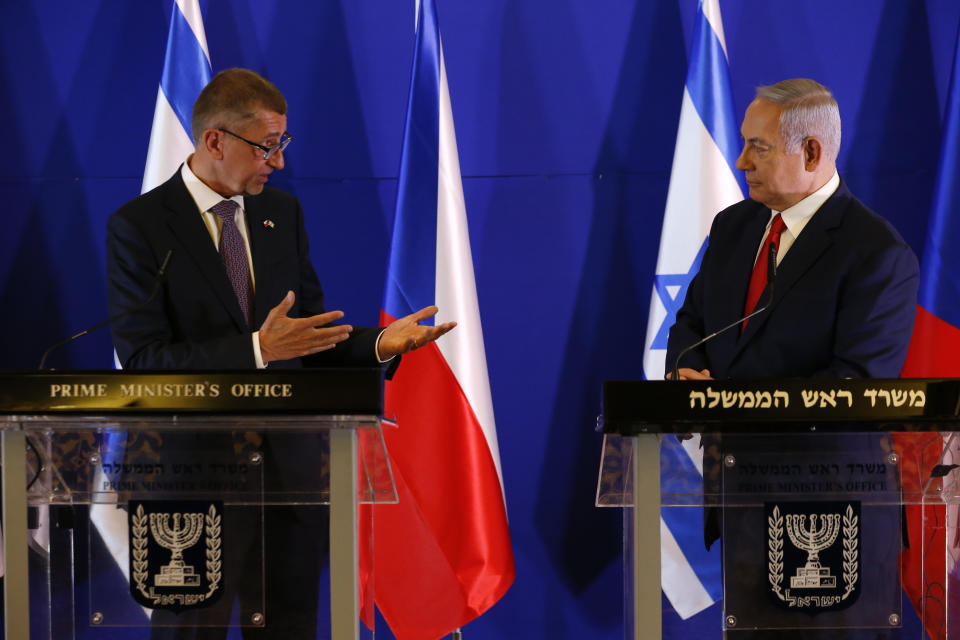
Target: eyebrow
<point>756,140</point>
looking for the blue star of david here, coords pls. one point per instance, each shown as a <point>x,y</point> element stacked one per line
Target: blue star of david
<point>672,303</point>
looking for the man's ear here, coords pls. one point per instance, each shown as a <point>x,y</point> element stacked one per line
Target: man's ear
<point>812,153</point>
<point>212,143</point>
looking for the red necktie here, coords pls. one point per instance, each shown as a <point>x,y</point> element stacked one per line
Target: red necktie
<point>758,279</point>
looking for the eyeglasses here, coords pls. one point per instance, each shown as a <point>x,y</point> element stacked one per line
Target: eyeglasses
<point>268,152</point>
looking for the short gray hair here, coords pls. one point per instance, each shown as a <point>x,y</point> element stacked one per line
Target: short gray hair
<point>809,109</point>
<point>232,96</point>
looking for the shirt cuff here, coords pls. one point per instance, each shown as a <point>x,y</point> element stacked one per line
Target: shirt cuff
<point>376,350</point>
<point>257,356</point>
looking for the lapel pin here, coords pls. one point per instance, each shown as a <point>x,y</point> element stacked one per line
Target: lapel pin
<point>268,224</point>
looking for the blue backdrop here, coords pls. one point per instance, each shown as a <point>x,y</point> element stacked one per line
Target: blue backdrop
<point>566,114</point>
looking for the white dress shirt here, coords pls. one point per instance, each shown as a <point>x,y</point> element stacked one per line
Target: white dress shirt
<point>796,217</point>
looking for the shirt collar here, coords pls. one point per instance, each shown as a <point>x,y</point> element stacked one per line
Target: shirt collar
<point>203,196</point>
<point>796,217</point>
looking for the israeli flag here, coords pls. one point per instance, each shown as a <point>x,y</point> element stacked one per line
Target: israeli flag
<point>186,71</point>
<point>703,181</point>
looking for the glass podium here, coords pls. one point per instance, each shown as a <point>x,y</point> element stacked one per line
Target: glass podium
<point>813,503</point>
<point>129,505</point>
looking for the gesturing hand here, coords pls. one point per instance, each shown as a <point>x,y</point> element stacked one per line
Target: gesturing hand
<point>283,338</point>
<point>405,334</point>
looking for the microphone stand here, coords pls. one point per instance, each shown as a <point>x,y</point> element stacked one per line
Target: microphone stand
<point>771,278</point>
<point>158,280</point>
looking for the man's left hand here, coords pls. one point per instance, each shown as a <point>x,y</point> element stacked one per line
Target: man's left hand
<point>405,334</point>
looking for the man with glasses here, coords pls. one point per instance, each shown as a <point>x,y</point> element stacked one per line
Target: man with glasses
<point>240,292</point>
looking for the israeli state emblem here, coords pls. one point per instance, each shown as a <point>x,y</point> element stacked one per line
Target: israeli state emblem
<point>813,554</point>
<point>175,553</point>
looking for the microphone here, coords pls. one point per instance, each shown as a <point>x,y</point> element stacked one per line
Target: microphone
<point>157,281</point>
<point>771,277</point>
<point>771,263</point>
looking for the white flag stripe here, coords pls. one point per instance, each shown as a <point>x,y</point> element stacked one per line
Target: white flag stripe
<point>191,11</point>
<point>694,451</point>
<point>456,291</point>
<point>654,360</point>
<point>701,184</point>
<point>680,584</point>
<point>169,145</point>
<point>711,11</point>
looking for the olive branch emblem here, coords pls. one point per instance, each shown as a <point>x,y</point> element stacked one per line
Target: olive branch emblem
<point>775,552</point>
<point>851,527</point>
<point>139,551</point>
<point>214,574</point>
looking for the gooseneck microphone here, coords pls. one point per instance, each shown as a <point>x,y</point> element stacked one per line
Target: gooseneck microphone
<point>157,281</point>
<point>771,277</point>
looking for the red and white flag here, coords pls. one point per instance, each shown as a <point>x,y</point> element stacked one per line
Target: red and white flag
<point>442,555</point>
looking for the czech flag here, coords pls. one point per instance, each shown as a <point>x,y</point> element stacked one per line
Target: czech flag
<point>934,353</point>
<point>442,555</point>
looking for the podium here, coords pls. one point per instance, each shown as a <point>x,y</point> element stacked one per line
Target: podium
<point>806,483</point>
<point>177,481</point>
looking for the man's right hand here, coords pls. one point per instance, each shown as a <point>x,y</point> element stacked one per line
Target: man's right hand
<point>283,338</point>
<point>691,374</point>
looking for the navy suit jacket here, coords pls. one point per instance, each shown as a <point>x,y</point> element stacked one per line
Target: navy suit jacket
<point>844,298</point>
<point>195,321</point>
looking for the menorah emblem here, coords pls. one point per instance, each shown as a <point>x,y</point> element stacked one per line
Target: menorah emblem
<point>192,530</point>
<point>813,540</point>
<point>176,539</point>
<point>819,535</point>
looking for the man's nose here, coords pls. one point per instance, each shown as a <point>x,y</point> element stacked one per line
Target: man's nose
<point>276,160</point>
<point>743,162</point>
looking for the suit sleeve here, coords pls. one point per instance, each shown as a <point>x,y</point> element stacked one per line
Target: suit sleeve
<point>875,316</point>
<point>145,338</point>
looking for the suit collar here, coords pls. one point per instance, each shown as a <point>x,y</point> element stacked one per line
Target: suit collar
<point>816,238</point>
<point>736,270</point>
<point>203,196</point>
<point>262,239</point>
<point>797,216</point>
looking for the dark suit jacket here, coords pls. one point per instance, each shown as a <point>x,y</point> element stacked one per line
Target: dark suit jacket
<point>195,321</point>
<point>844,299</point>
<point>844,302</point>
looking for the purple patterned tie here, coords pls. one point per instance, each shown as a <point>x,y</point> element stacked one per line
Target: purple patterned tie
<point>234,254</point>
